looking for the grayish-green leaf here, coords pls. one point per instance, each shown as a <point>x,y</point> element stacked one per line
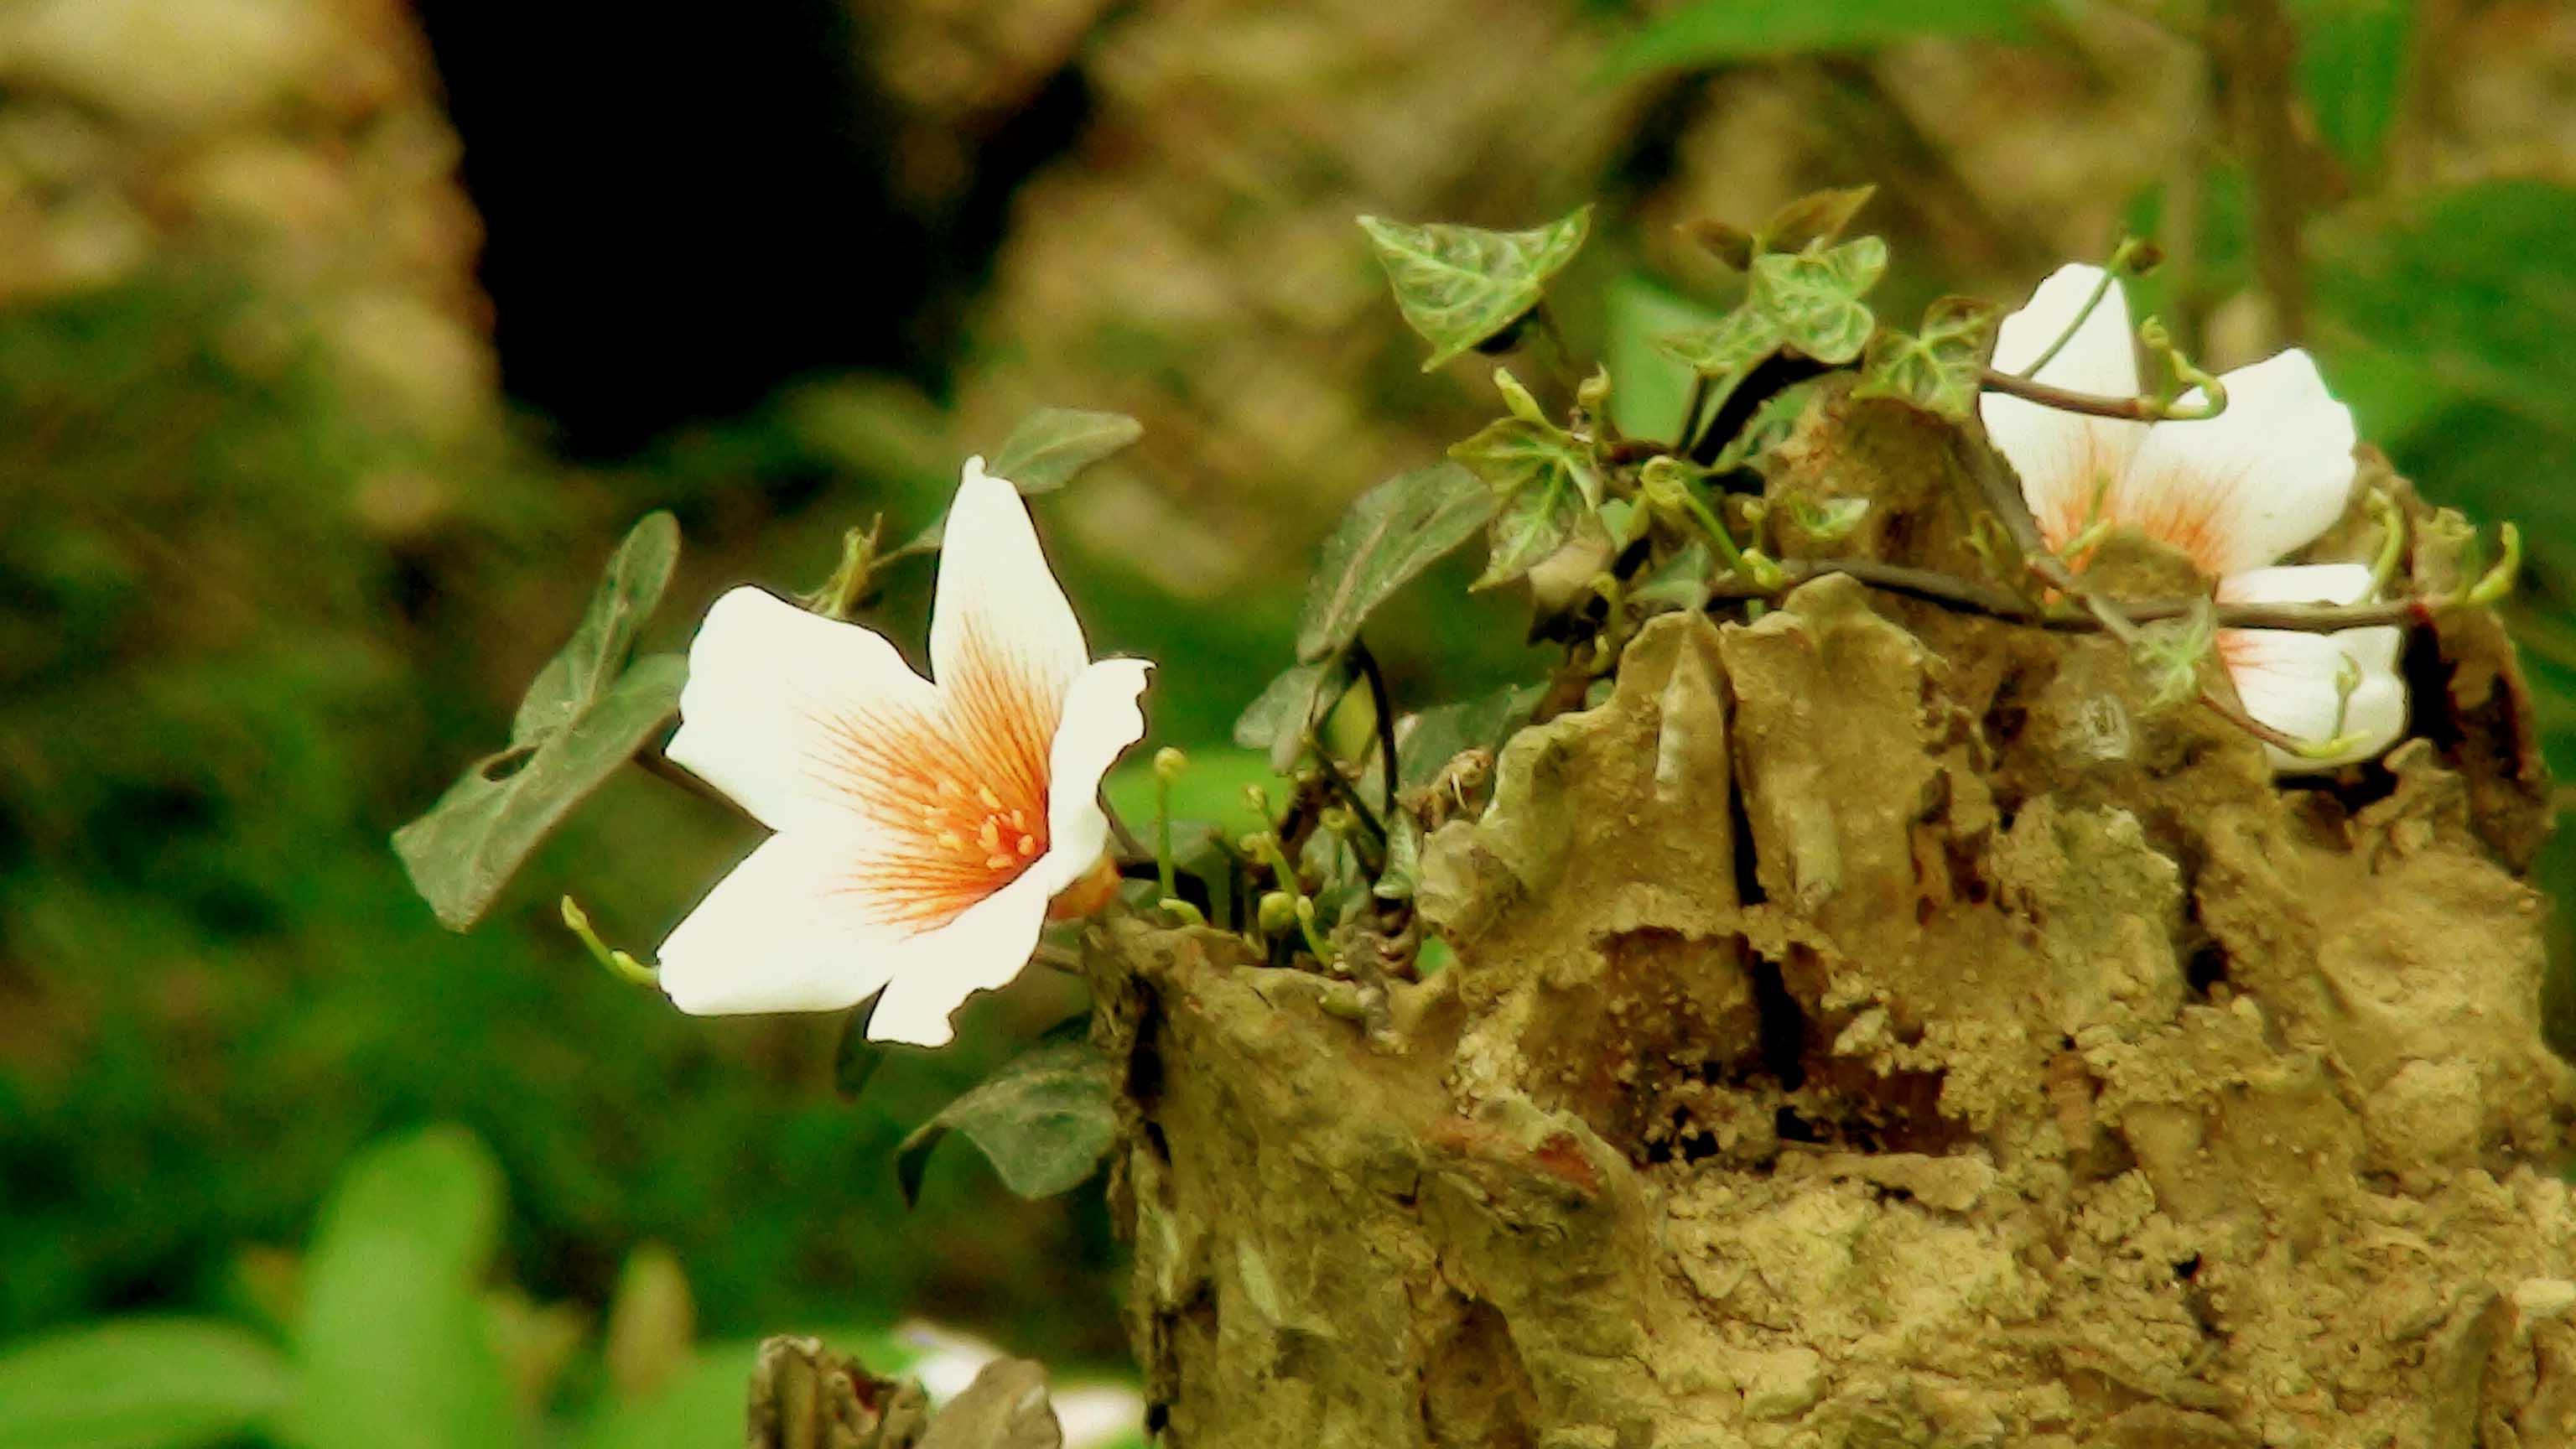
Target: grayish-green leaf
<point>637,574</point>
<point>140,1383</point>
<point>395,1343</point>
<point>1391,534</point>
<point>1547,482</point>
<point>1044,1121</point>
<point>1052,444</point>
<point>1936,369</point>
<point>1277,720</point>
<point>586,712</point>
<point>1458,286</point>
<point>465,849</point>
<point>1814,296</point>
<point>1716,32</point>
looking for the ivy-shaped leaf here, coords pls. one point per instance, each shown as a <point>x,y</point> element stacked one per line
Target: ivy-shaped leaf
<point>1731,345</point>
<point>1461,285</point>
<point>1044,1121</point>
<point>1818,216</point>
<point>1545,480</point>
<point>587,712</point>
<point>1041,455</point>
<point>1814,296</point>
<point>1391,534</point>
<point>1680,583</point>
<point>1937,369</point>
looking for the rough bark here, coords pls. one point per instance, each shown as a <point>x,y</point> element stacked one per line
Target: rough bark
<point>1872,1026</point>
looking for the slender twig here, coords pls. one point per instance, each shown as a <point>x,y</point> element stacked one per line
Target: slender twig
<point>1384,704</point>
<point>1967,596</point>
<point>2067,400</point>
<point>2101,288</point>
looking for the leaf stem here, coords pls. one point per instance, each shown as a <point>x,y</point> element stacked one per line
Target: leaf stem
<point>1384,703</point>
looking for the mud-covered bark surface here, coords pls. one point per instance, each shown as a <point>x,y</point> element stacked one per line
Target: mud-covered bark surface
<point>1873,1026</point>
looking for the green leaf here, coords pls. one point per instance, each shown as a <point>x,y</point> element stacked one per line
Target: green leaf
<point>1041,455</point>
<point>637,574</point>
<point>2352,70</point>
<point>1679,582</point>
<point>586,713</point>
<point>1403,873</point>
<point>1937,369</point>
<point>395,1342</point>
<point>1533,524</point>
<point>1547,482</point>
<point>1044,1121</point>
<point>465,849</point>
<point>1298,696</point>
<point>1052,444</point>
<point>1818,216</point>
<point>1434,737</point>
<point>2468,290</point>
<point>1391,534</point>
<point>140,1383</point>
<point>1460,285</point>
<point>1715,32</point>
<point>1814,296</point>
<point>1728,347</point>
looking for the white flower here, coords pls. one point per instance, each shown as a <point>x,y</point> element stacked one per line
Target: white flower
<point>922,828</point>
<point>2235,493</point>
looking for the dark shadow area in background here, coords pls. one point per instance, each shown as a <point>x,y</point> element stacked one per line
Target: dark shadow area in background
<point>680,215</point>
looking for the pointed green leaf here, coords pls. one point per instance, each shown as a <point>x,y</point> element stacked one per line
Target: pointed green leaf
<point>1515,456</point>
<point>395,1343</point>
<point>1052,444</point>
<point>1814,296</point>
<point>1714,32</point>
<point>637,574</point>
<point>1044,1121</point>
<point>465,849</point>
<point>140,1383</point>
<point>1041,455</point>
<point>1818,216</point>
<point>1392,533</point>
<point>1728,347</point>
<point>1937,369</point>
<point>1461,285</point>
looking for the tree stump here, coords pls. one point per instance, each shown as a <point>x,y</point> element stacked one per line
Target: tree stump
<point>1875,1025</point>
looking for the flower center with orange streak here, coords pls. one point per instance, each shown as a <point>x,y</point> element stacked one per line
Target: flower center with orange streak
<point>959,794</point>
